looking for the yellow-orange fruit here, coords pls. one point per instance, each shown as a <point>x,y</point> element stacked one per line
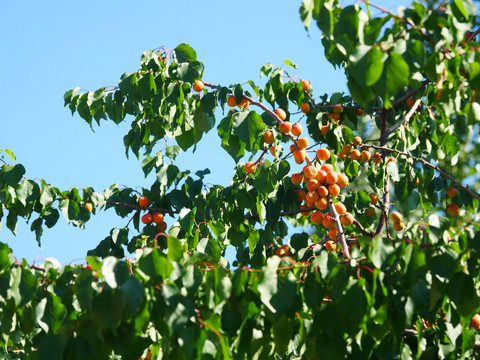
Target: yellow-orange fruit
<point>377,158</point>
<point>452,192</point>
<point>272,150</point>
<point>310,171</point>
<point>250,167</point>
<point>292,148</point>
<point>306,212</point>
<point>341,209</point>
<point>365,155</point>
<point>297,178</point>
<point>342,180</point>
<point>342,155</point>
<point>299,155</point>
<point>370,211</point>
<point>324,130</point>
<point>334,116</point>
<point>322,191</point>
<point>330,245</point>
<point>322,203</point>
<point>316,218</point>
<point>396,216</point>
<point>89,206</point>
<point>347,149</point>
<point>347,219</point>
<point>285,127</point>
<point>312,196</point>
<point>297,129</point>
<point>453,209</point>
<point>158,218</point>
<point>305,108</point>
<point>331,178</point>
<point>281,113</point>
<point>161,227</point>
<point>328,221</point>
<point>359,111</point>
<point>338,109</point>
<point>231,101</point>
<point>475,323</point>
<point>302,143</point>
<point>373,198</point>
<point>268,137</point>
<point>321,176</point>
<point>398,226</point>
<point>323,154</point>
<point>305,85</point>
<point>198,85</point>
<point>244,104</point>
<point>357,140</point>
<point>309,203</point>
<point>334,190</point>
<point>327,167</point>
<point>355,154</point>
<point>147,218</point>
<point>301,194</point>
<point>143,202</point>
<point>313,185</point>
<point>333,233</point>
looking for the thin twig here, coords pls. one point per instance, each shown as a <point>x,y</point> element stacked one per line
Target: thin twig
<point>407,117</point>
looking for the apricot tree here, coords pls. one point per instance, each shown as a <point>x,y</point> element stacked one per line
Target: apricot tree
<point>354,216</point>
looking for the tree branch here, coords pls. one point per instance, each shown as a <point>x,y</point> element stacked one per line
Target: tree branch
<point>410,93</point>
<point>407,117</point>
<point>386,187</point>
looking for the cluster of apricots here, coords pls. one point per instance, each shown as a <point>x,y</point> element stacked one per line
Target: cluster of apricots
<point>453,208</point>
<point>148,218</point>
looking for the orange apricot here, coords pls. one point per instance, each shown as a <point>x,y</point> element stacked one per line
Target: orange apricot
<point>231,101</point>
<point>452,192</point>
<point>297,129</point>
<point>147,218</point>
<point>244,104</point>
<point>143,202</point>
<point>301,194</point>
<point>297,178</point>
<point>357,140</point>
<point>250,167</point>
<point>161,227</point>
<point>312,185</point>
<point>347,219</point>
<point>198,85</point>
<point>305,85</point>
<point>305,108</point>
<point>355,154</point>
<point>330,245</point>
<point>322,203</point>
<point>410,102</point>
<point>377,158</point>
<point>453,209</point>
<point>328,221</point>
<point>370,211</point>
<point>312,196</point>
<point>327,167</point>
<point>338,109</point>
<point>316,218</point>
<point>323,154</point>
<point>333,233</point>
<point>322,191</point>
<point>268,137</point>
<point>341,209</point>
<point>359,111</point>
<point>321,176</point>
<point>324,130</point>
<point>396,216</point>
<point>299,155</point>
<point>306,212</point>
<point>398,226</point>
<point>365,155</point>
<point>334,190</point>
<point>310,171</point>
<point>347,149</point>
<point>89,206</point>
<point>285,127</point>
<point>373,198</point>
<point>342,180</point>
<point>302,143</point>
<point>331,178</point>
<point>334,116</point>
<point>281,113</point>
<point>158,218</point>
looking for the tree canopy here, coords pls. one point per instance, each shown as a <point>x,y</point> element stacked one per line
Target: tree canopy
<point>354,216</point>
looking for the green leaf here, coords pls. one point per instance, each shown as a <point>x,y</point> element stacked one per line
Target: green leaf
<point>462,292</point>
<point>291,64</point>
<point>69,208</point>
<point>306,10</point>
<point>184,53</point>
<point>248,126</point>
<point>381,252</point>
<point>12,174</point>
<point>395,75</point>
<point>49,313</point>
<point>366,65</point>
<point>28,191</point>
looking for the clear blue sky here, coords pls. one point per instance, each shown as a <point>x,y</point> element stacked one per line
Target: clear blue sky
<point>50,47</point>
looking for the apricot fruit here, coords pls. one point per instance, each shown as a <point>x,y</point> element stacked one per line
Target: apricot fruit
<point>312,196</point>
<point>322,203</point>
<point>299,155</point>
<point>297,129</point>
<point>305,85</point>
<point>306,212</point>
<point>305,108</point>
<point>365,155</point>
<point>359,111</point>
<point>285,127</point>
<point>327,167</point>
<point>338,109</point>
<point>297,178</point>
<point>341,208</point>
<point>355,154</point>
<point>281,113</point>
<point>396,216</point>
<point>250,167</point>
<point>398,226</point>
<point>347,149</point>
<point>453,209</point>
<point>321,176</point>
<point>357,140</point>
<point>333,233</point>
<point>316,218</point>
<point>323,154</point>
<point>268,137</point>
<point>324,130</point>
<point>322,191</point>
<point>231,101</point>
<point>198,85</point>
<point>158,218</point>
<point>161,227</point>
<point>301,194</point>
<point>410,102</point>
<point>373,198</point>
<point>377,158</point>
<point>328,221</point>
<point>475,323</point>
<point>244,104</point>
<point>284,250</point>
<point>346,219</point>
<point>302,143</point>
<point>334,116</point>
<point>452,192</point>
<point>331,178</point>
<point>89,206</point>
<point>370,212</point>
<point>147,218</point>
<point>310,171</point>
<point>143,202</point>
<point>313,185</point>
<point>334,190</point>
<point>330,245</point>
<point>342,180</point>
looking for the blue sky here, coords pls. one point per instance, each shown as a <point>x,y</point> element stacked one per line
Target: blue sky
<point>51,47</point>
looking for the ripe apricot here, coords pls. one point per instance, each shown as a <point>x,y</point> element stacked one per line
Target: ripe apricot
<point>342,180</point>
<point>373,198</point>
<point>453,209</point>
<point>268,137</point>
<point>334,116</point>
<point>281,113</point>
<point>89,206</point>
<point>324,130</point>
<point>301,194</point>
<point>231,101</point>
<point>309,171</point>
<point>357,140</point>
<point>147,218</point>
<point>308,203</point>
<point>365,155</point>
<point>250,167</point>
<point>452,192</point>
<point>282,251</point>
<point>292,148</point>
<point>143,202</point>
<point>316,218</point>
<point>323,154</point>
<point>396,216</point>
<point>297,178</point>
<point>285,127</point>
<point>370,212</point>
<point>306,212</point>
<point>322,203</point>
<point>322,191</point>
<point>299,155</point>
<point>272,150</point>
<point>333,233</point>
<point>302,143</point>
<point>398,226</point>
<point>347,149</point>
<point>305,85</point>
<point>321,176</point>
<point>355,154</point>
<point>327,167</point>
<point>305,108</point>
<point>158,218</point>
<point>244,104</point>
<point>347,219</point>
<point>341,209</point>
<point>198,85</point>
<point>328,221</point>
<point>312,185</point>
<point>161,227</point>
<point>475,323</point>
<point>377,158</point>
<point>330,245</point>
<point>342,155</point>
<point>338,109</point>
<point>312,196</point>
<point>359,111</point>
<point>331,178</point>
<point>297,129</point>
<point>334,190</point>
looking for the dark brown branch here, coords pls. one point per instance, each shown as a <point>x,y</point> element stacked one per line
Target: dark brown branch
<point>362,229</point>
<point>409,94</point>
<point>136,207</point>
